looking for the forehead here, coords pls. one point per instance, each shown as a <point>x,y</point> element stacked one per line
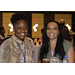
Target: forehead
<point>20,22</point>
<point>53,24</point>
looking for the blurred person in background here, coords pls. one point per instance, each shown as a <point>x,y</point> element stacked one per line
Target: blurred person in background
<point>17,49</point>
<point>53,45</point>
<point>62,23</point>
<point>42,30</point>
<point>2,33</point>
<point>65,31</point>
<point>65,34</point>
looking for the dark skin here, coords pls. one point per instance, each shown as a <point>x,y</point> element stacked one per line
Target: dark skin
<point>2,32</point>
<point>21,29</point>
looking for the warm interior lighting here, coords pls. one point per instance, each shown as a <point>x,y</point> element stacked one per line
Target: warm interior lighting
<point>10,25</point>
<point>69,27</point>
<point>34,27</point>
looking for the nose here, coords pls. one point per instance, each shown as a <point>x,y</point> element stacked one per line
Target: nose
<point>51,30</point>
<point>22,30</point>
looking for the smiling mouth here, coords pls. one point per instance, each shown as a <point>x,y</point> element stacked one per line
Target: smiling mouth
<point>22,34</point>
<point>51,34</point>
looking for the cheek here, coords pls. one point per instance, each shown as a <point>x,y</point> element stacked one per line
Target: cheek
<point>17,31</point>
<point>47,31</point>
<point>26,30</point>
<point>57,33</point>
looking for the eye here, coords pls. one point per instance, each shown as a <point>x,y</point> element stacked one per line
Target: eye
<point>55,28</point>
<point>48,28</point>
<point>19,27</point>
<point>25,27</point>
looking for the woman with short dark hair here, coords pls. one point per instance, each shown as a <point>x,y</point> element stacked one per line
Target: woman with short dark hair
<point>17,49</point>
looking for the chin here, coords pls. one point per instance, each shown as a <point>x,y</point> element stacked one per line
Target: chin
<point>22,39</point>
<point>52,38</point>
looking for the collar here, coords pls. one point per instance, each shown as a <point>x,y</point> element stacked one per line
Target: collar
<point>16,39</point>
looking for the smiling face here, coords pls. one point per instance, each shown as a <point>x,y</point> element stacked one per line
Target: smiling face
<point>21,29</point>
<point>52,30</point>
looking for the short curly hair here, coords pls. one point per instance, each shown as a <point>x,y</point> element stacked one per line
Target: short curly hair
<point>16,17</point>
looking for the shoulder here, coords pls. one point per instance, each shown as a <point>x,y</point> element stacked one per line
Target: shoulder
<point>28,43</point>
<point>30,39</point>
<point>6,43</point>
<point>66,42</point>
<point>67,45</point>
<point>5,47</point>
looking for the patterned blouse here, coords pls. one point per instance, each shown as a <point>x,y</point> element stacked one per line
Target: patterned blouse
<point>11,53</point>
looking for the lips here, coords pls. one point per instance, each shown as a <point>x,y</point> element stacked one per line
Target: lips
<point>51,34</point>
<point>22,34</point>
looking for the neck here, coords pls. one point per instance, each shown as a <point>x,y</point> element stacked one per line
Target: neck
<point>53,45</point>
<point>53,42</point>
<point>22,40</point>
<point>19,39</point>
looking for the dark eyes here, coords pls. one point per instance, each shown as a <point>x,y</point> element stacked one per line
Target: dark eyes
<point>25,27</point>
<point>55,28</point>
<point>52,28</point>
<point>21,27</point>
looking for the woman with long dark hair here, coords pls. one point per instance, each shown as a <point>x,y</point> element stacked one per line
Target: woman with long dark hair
<point>53,45</point>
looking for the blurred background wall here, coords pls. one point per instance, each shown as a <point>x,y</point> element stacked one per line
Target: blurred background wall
<point>37,17</point>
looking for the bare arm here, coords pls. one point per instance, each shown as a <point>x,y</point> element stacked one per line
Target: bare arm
<point>70,55</point>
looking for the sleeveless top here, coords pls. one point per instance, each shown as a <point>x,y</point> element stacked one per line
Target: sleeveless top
<point>66,45</point>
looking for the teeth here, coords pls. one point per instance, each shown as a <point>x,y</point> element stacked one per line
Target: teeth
<point>51,34</point>
<point>22,33</point>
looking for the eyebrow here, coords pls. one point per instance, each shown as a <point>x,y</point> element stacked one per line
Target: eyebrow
<point>52,26</point>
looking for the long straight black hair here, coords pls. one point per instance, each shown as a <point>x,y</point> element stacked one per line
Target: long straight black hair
<point>45,44</point>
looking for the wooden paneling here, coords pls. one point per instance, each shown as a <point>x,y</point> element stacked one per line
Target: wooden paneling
<point>1,19</point>
<point>39,19</point>
<point>48,17</point>
<point>66,17</point>
<point>6,21</point>
<point>73,26</point>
